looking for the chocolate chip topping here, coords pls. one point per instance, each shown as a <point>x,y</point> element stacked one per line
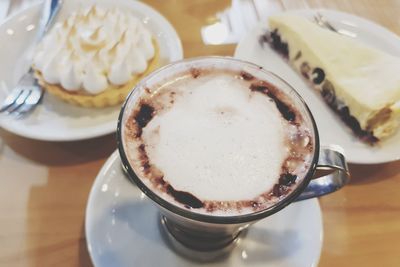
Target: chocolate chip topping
<point>259,88</point>
<point>305,69</point>
<point>279,190</point>
<point>319,75</point>
<point>352,122</point>
<point>195,72</point>
<point>273,38</point>
<point>287,179</point>
<point>144,115</point>
<point>265,39</point>
<point>328,94</point>
<point>298,55</point>
<point>283,186</point>
<point>246,76</point>
<point>284,108</point>
<point>278,44</point>
<point>187,199</point>
<point>144,159</point>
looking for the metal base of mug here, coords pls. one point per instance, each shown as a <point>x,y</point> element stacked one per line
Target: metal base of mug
<point>189,250</point>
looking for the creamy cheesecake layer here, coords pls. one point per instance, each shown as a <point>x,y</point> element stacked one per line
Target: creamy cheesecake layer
<point>358,81</point>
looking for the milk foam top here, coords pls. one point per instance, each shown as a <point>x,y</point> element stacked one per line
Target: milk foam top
<point>94,48</point>
<point>217,141</point>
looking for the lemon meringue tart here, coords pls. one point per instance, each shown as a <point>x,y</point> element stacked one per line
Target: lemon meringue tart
<point>95,57</point>
<point>360,83</point>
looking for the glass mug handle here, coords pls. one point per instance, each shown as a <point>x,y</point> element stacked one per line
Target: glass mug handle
<point>329,159</point>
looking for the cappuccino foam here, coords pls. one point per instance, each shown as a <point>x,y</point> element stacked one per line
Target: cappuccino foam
<point>213,141</point>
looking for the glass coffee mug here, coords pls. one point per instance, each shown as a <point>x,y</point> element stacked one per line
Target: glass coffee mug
<point>206,237</point>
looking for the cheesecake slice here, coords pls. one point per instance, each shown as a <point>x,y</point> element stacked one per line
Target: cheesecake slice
<point>360,83</point>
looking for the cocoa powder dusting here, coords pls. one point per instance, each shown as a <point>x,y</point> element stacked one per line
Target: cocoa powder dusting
<point>195,72</point>
<point>246,76</point>
<point>144,159</point>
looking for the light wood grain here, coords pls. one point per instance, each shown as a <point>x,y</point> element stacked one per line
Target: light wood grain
<point>44,186</point>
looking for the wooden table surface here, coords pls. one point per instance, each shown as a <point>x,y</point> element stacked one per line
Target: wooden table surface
<point>45,186</point>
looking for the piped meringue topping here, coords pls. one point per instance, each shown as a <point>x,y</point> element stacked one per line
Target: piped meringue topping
<point>93,49</point>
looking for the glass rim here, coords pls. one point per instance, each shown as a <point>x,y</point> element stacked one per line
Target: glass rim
<point>217,219</point>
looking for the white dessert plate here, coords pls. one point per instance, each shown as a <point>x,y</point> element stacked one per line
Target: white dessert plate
<point>55,120</point>
<point>4,5</point>
<point>122,230</point>
<point>331,129</point>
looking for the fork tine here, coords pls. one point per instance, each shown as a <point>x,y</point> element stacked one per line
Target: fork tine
<point>19,101</point>
<point>321,20</point>
<point>35,96</point>
<point>10,99</point>
<point>329,26</point>
<point>30,104</point>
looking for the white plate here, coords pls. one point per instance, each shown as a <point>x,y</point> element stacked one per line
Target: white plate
<point>332,130</point>
<point>4,5</point>
<point>122,230</point>
<point>55,120</point>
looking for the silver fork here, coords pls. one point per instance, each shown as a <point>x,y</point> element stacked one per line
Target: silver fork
<point>24,97</point>
<point>27,93</point>
<point>324,23</point>
<point>321,21</point>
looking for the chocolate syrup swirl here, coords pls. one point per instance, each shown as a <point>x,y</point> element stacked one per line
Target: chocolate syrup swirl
<point>187,199</point>
<point>143,116</point>
<point>246,76</point>
<point>286,111</point>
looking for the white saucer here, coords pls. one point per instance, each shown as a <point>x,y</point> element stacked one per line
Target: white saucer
<point>331,129</point>
<point>55,120</point>
<point>122,230</point>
